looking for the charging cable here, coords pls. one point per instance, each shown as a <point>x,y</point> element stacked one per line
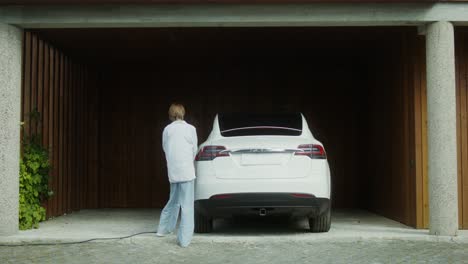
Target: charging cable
<point>77,242</point>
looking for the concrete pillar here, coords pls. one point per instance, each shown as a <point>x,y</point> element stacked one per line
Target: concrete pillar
<point>10,106</point>
<point>441,129</point>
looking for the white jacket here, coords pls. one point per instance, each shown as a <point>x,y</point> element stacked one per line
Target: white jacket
<point>180,146</point>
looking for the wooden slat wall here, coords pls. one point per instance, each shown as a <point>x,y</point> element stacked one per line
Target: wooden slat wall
<point>395,137</point>
<point>54,85</point>
<point>419,141</point>
<point>375,110</point>
<point>106,146</point>
<point>461,52</point>
<point>134,113</point>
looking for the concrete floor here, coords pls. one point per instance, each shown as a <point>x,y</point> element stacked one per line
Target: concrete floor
<point>347,225</point>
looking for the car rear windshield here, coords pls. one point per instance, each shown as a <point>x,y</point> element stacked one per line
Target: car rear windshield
<point>234,125</point>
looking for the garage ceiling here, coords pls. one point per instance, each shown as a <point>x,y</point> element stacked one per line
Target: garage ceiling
<point>149,44</point>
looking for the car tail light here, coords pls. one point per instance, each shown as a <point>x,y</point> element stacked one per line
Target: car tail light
<point>313,151</point>
<point>211,152</point>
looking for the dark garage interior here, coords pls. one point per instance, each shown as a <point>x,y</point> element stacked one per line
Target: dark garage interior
<point>104,95</point>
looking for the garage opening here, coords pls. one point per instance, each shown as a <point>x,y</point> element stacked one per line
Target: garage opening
<point>104,95</point>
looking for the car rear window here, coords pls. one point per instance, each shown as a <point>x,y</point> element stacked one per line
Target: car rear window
<point>234,125</point>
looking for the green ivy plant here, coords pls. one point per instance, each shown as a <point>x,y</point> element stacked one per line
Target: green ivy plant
<point>34,178</point>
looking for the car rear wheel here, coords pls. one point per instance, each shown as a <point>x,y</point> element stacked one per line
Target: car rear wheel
<point>321,223</point>
<point>203,224</point>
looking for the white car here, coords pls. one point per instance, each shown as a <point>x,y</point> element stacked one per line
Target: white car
<point>262,165</point>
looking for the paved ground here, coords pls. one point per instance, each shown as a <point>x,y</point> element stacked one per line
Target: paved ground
<point>164,250</point>
<point>347,225</point>
<point>355,237</point>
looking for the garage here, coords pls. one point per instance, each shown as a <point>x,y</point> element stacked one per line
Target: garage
<point>104,93</point>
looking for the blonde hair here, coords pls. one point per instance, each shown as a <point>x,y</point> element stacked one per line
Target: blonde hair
<point>176,111</point>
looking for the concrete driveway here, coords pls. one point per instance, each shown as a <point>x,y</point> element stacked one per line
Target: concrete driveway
<point>355,237</point>
<point>347,225</point>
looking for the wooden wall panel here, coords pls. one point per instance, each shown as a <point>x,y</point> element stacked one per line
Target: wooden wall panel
<point>51,85</point>
<point>55,148</point>
<point>104,130</point>
<point>26,95</point>
<point>461,52</point>
<point>419,155</point>
<point>33,84</point>
<point>396,150</point>
<point>370,118</point>
<point>134,115</point>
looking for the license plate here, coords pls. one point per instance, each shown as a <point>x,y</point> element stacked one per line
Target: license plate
<point>261,159</point>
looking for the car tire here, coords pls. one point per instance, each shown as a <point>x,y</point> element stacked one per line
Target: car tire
<point>203,224</point>
<point>321,223</point>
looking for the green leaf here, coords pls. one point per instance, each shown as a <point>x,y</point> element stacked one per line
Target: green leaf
<point>34,181</point>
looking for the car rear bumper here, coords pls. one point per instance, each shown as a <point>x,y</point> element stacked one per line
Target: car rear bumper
<point>232,204</point>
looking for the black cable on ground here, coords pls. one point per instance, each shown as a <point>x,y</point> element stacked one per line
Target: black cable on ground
<point>77,242</point>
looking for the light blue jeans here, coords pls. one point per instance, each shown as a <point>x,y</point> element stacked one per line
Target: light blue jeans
<point>181,196</point>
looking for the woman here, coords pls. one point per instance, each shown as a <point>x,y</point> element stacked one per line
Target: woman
<point>180,147</point>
